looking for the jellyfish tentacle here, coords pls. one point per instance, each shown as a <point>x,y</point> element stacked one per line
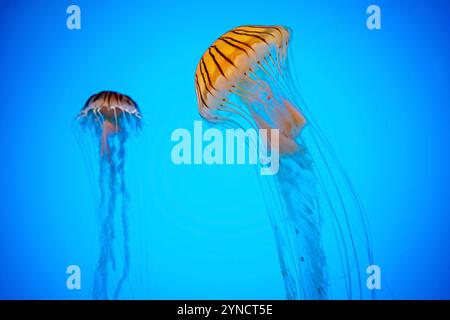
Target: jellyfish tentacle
<point>115,120</point>
<point>124,215</point>
<point>304,223</point>
<point>107,234</point>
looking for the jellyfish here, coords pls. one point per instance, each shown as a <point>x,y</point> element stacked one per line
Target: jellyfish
<point>245,79</point>
<point>110,117</point>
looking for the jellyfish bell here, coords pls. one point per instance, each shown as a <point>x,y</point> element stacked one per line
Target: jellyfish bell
<point>109,112</point>
<point>239,80</point>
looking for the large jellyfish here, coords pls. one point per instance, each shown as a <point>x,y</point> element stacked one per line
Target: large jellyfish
<point>110,117</point>
<point>244,80</point>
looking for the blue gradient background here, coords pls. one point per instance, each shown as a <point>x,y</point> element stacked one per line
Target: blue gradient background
<point>382,97</point>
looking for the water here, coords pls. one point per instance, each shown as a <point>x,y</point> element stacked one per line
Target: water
<point>203,231</point>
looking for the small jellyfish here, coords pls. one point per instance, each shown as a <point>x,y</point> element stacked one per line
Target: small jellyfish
<point>111,116</point>
<point>245,80</point>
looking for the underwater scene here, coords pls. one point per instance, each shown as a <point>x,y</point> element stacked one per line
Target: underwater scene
<point>207,150</point>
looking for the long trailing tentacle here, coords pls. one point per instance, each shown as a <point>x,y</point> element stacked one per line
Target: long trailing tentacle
<point>350,219</point>
<point>299,191</point>
<point>124,214</point>
<point>107,259</point>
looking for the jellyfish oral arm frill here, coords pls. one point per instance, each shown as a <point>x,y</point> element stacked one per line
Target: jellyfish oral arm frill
<point>108,130</point>
<point>305,272</point>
